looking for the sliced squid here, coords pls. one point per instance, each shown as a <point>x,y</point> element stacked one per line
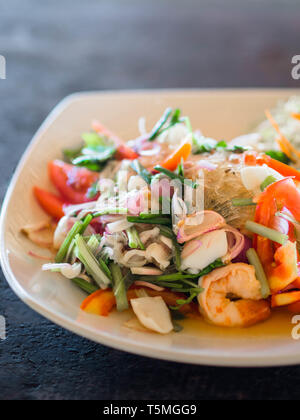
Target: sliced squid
<point>204,250</point>
<point>198,224</point>
<point>158,255</point>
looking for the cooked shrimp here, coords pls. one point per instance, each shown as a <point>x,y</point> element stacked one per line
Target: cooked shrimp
<point>238,281</point>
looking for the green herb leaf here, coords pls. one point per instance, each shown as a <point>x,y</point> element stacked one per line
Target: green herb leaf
<point>161,122</point>
<point>141,171</point>
<point>93,191</point>
<point>280,156</point>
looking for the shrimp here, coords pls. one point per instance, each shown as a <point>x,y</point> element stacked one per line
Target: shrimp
<point>239,281</point>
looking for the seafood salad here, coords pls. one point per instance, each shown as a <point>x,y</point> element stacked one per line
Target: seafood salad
<point>175,224</point>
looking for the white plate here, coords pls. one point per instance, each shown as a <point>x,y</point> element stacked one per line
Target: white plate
<point>218,113</point>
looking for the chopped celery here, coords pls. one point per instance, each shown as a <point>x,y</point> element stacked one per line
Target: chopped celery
<point>91,264</point>
<point>266,232</point>
<point>259,271</point>
<point>93,244</point>
<point>60,256</point>
<point>86,221</point>
<point>119,287</point>
<point>105,268</point>
<point>85,285</point>
<point>268,181</point>
<point>241,202</point>
<point>134,240</point>
<point>78,227</point>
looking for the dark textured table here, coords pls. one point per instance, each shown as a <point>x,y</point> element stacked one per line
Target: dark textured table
<point>56,47</point>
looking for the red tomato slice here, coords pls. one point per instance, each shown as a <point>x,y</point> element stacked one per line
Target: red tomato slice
<point>52,204</point>
<point>72,182</point>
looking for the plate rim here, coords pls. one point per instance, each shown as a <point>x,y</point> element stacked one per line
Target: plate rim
<point>121,343</point>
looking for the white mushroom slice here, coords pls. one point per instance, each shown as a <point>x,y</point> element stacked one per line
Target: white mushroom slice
<point>254,176</point>
<point>153,313</point>
<point>212,245</point>
<point>134,258</point>
<point>136,183</point>
<point>149,234</point>
<point>157,254</point>
<point>166,241</point>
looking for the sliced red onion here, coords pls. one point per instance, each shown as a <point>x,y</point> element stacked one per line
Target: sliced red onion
<point>119,226</point>
<point>109,218</point>
<point>154,150</point>
<point>190,248</point>
<point>146,271</point>
<point>68,210</point>
<point>236,242</point>
<point>149,285</point>
<point>137,204</point>
<point>39,257</point>
<point>242,257</point>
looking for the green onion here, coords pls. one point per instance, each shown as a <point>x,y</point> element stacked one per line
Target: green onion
<point>237,149</point>
<point>104,268</point>
<point>175,176</point>
<point>119,287</point>
<point>181,302</point>
<point>141,171</point>
<point>167,232</point>
<point>242,202</point>
<point>153,220</point>
<point>268,181</point>
<point>259,271</point>
<point>180,168</point>
<point>60,256</point>
<point>111,210</point>
<point>161,122</point>
<point>134,240</point>
<point>85,285</point>
<point>266,232</point>
<point>86,221</point>
<point>90,263</point>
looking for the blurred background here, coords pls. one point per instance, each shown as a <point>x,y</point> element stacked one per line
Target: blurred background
<point>56,47</point>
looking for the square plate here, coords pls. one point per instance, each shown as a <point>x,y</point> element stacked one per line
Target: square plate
<point>222,114</point>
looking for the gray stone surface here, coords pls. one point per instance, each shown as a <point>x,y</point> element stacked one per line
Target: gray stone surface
<point>54,48</point>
